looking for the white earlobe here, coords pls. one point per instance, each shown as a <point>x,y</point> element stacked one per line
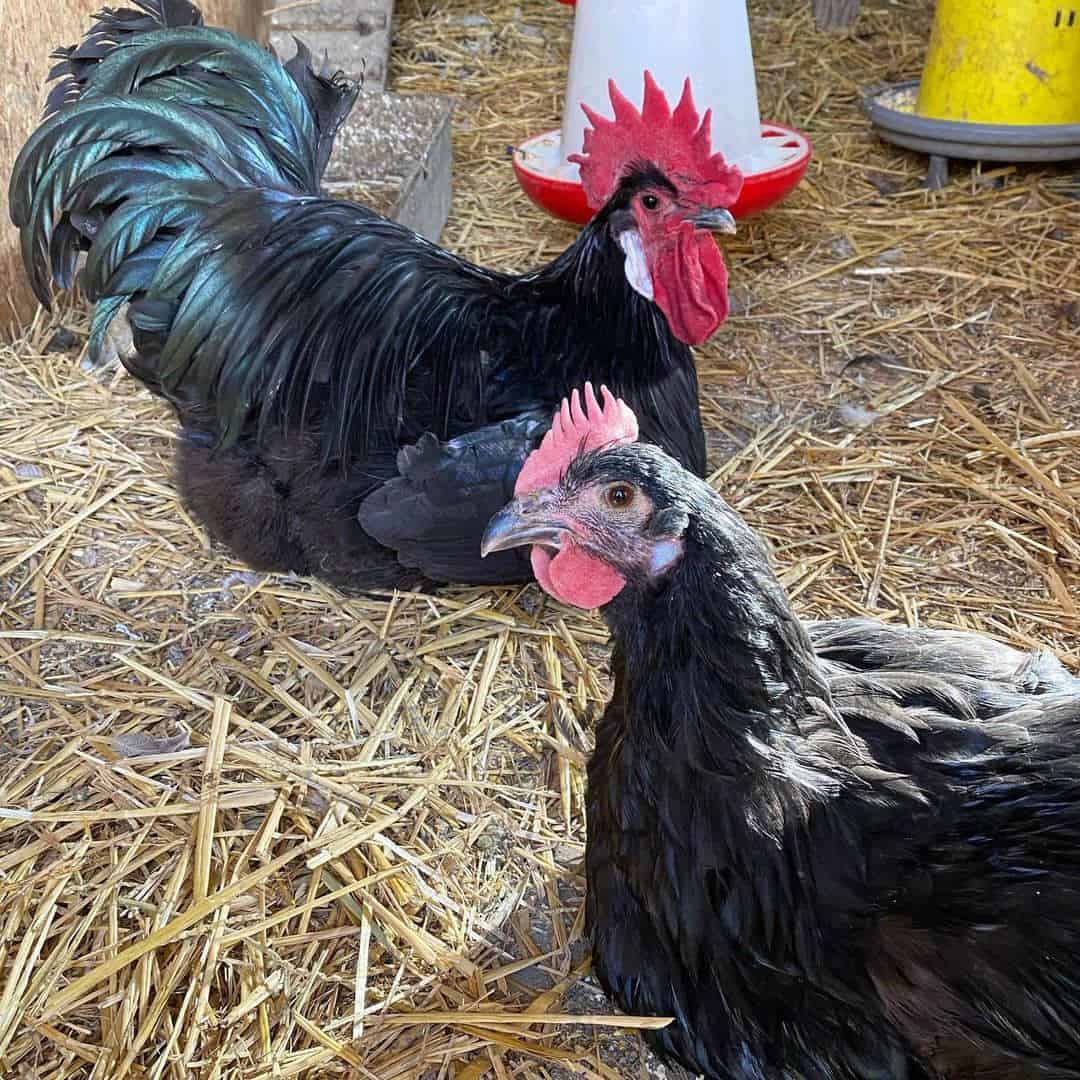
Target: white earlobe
<point>636,267</point>
<point>664,555</point>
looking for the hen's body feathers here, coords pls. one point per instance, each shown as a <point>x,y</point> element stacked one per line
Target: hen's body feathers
<point>896,892</point>
<point>832,850</point>
<point>307,337</point>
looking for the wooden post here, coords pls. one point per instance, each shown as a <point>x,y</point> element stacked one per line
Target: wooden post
<point>243,16</point>
<point>835,14</point>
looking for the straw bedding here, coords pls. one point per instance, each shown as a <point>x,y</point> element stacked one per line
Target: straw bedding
<point>250,828</point>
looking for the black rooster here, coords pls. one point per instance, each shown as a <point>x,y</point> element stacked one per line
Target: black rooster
<point>355,402</point>
<point>833,850</point>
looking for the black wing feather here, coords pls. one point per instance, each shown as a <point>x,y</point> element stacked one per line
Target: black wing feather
<point>434,511</point>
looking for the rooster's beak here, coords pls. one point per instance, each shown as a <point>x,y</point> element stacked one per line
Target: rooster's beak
<point>517,525</point>
<point>715,220</point>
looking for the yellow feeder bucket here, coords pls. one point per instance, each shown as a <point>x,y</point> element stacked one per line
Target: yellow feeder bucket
<point>1001,83</point>
<point>1003,62</point>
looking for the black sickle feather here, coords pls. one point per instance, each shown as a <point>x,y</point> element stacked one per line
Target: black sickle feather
<point>111,26</point>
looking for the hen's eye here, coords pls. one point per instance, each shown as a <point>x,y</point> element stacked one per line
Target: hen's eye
<point>619,496</point>
<point>650,202</point>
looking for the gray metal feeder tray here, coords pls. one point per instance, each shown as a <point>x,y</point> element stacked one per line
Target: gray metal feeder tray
<point>892,112</point>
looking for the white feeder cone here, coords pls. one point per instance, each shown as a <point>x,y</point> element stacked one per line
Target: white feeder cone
<point>707,40</point>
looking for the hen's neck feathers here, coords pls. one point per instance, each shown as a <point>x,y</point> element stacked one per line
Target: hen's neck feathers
<point>716,663</point>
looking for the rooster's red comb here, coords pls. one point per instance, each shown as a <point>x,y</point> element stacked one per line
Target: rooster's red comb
<point>678,143</point>
<point>575,430</point>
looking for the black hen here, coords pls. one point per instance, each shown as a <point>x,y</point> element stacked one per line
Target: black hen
<point>829,850</point>
<point>355,402</point>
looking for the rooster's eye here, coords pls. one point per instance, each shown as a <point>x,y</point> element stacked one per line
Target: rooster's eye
<point>619,496</point>
<point>650,202</point>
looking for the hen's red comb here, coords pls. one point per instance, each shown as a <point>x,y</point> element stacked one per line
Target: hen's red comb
<point>678,143</point>
<point>573,431</point>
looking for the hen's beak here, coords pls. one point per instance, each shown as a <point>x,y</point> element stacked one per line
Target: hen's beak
<point>715,220</point>
<point>517,525</point>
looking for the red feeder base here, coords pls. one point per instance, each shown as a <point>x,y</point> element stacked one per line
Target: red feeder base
<point>555,188</point>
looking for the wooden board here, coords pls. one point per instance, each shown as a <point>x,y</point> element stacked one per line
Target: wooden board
<point>835,14</point>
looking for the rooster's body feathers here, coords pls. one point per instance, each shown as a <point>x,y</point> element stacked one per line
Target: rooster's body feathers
<point>308,337</point>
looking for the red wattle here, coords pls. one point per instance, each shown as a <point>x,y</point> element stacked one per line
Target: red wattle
<point>690,284</point>
<point>576,578</point>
